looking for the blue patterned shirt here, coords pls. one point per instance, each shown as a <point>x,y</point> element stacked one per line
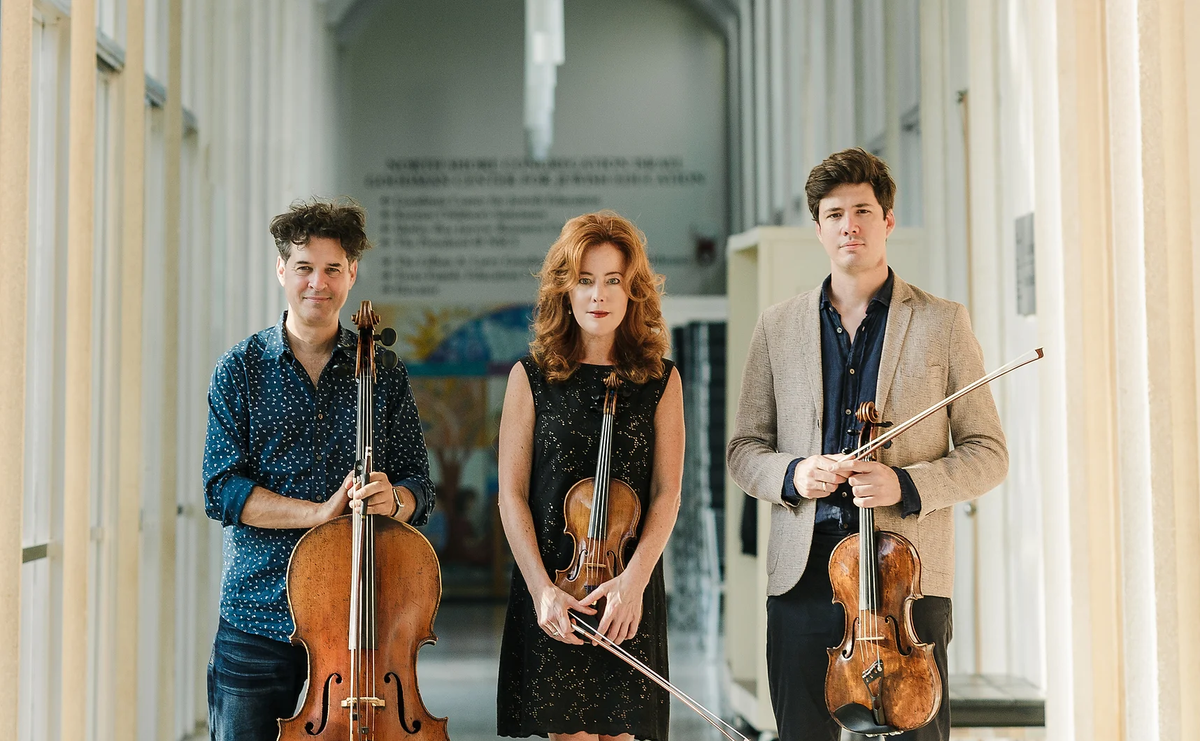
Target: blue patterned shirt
<point>269,426</point>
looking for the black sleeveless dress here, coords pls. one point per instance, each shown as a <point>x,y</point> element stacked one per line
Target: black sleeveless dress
<point>550,687</point>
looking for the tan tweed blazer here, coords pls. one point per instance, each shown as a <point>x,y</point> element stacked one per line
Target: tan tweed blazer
<point>929,352</point>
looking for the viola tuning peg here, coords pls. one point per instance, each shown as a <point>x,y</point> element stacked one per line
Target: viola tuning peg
<point>388,359</point>
<point>388,336</point>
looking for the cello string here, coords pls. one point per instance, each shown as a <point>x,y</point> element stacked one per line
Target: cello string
<point>369,572</point>
<point>372,645</point>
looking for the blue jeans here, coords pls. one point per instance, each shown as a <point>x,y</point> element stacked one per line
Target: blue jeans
<point>252,682</point>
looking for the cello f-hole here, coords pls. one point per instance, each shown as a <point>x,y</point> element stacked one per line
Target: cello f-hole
<point>391,678</point>
<point>308,727</point>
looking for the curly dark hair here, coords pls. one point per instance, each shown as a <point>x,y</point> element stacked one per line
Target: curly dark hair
<point>850,167</point>
<point>342,219</point>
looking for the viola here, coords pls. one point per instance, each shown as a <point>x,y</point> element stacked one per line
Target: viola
<point>881,679</point>
<point>876,576</point>
<point>363,590</point>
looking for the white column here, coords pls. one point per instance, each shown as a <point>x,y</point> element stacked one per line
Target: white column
<point>81,200</point>
<point>169,413</point>
<point>16,43</point>
<point>128,535</point>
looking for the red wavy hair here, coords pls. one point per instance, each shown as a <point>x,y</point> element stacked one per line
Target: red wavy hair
<point>641,340</point>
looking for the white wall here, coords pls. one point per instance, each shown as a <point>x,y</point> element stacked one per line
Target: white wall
<point>444,79</point>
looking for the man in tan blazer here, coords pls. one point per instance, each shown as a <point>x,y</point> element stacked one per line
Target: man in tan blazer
<point>863,335</point>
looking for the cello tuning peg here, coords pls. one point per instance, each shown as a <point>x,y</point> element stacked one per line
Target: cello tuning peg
<point>388,336</point>
<point>388,359</point>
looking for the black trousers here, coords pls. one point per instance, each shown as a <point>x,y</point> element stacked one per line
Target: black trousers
<point>804,622</point>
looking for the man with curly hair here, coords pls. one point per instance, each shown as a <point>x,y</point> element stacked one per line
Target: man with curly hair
<point>864,335</point>
<point>279,457</point>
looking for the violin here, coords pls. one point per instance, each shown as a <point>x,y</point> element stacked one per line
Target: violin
<point>601,514</point>
<point>363,590</point>
<point>881,679</point>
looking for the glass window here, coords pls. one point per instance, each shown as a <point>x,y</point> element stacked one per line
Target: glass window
<point>157,39</point>
<point>110,19</point>
<point>105,407</point>
<point>44,377</point>
<point>887,74</point>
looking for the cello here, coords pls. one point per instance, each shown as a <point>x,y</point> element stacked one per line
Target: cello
<point>881,679</point>
<point>363,591</point>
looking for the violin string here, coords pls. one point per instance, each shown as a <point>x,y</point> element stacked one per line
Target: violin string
<point>605,456</point>
<point>599,497</point>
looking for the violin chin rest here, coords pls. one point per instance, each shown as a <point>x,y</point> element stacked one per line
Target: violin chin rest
<point>859,719</point>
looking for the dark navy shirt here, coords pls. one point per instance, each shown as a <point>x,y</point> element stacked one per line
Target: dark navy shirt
<point>269,426</point>
<point>850,373</point>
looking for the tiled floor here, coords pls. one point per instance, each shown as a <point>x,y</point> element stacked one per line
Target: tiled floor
<point>457,677</point>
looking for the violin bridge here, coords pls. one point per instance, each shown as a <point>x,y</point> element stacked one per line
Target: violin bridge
<point>374,702</point>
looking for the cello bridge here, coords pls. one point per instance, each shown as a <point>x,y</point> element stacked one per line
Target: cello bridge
<point>374,702</point>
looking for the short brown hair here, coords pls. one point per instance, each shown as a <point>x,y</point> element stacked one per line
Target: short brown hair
<point>850,167</point>
<point>341,219</point>
<point>641,340</point>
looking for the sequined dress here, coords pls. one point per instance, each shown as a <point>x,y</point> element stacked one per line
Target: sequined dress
<point>546,686</point>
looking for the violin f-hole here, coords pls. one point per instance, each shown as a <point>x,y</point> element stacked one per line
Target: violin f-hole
<point>308,727</point>
<point>391,678</point>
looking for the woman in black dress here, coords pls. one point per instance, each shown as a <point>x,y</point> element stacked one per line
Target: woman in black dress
<point>598,311</point>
